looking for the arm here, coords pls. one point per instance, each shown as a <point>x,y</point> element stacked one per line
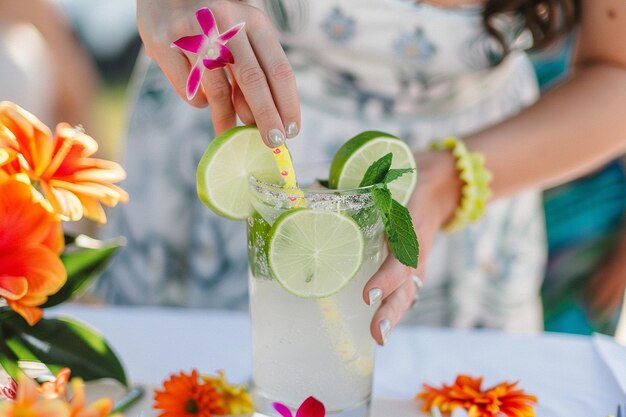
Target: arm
<point>575,128</point>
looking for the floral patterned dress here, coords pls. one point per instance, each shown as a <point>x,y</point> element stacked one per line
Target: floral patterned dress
<point>411,69</point>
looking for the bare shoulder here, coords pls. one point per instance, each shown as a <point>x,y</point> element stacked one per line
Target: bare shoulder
<point>602,32</point>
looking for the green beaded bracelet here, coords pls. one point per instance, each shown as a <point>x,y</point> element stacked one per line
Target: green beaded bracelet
<point>476,178</point>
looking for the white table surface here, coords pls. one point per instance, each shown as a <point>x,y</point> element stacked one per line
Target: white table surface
<point>571,375</point>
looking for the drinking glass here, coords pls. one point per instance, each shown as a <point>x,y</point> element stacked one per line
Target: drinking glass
<point>318,347</point>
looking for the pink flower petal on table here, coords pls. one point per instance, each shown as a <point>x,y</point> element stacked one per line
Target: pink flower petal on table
<point>230,33</point>
<point>193,82</point>
<point>311,408</point>
<point>191,43</point>
<point>282,409</point>
<point>207,21</point>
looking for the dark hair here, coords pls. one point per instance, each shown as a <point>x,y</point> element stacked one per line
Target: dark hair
<point>546,20</point>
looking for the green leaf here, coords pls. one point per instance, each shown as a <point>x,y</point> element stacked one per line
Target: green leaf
<point>376,172</point>
<point>382,198</point>
<point>84,260</point>
<point>395,173</point>
<point>324,183</point>
<point>64,342</point>
<point>402,239</point>
<point>396,218</point>
<point>8,359</point>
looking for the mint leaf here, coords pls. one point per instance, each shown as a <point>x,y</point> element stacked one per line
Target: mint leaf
<point>394,174</point>
<point>376,172</point>
<point>401,234</point>
<point>383,201</point>
<point>396,218</point>
<point>382,198</point>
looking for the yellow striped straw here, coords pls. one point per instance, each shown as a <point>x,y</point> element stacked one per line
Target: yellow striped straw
<point>338,332</point>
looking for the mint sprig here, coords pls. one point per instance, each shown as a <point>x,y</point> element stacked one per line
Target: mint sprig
<point>377,172</point>
<point>396,218</point>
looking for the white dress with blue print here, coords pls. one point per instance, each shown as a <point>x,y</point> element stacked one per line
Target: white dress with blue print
<point>411,69</point>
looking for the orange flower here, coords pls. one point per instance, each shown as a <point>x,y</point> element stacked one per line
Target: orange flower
<point>29,404</point>
<point>466,393</point>
<point>61,165</point>
<point>31,240</point>
<point>79,408</point>
<point>58,387</point>
<point>184,396</point>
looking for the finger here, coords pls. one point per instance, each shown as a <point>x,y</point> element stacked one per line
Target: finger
<point>253,83</point>
<point>239,102</point>
<point>391,311</point>
<point>281,78</point>
<point>217,90</point>
<point>389,277</point>
<point>176,67</point>
<point>241,107</point>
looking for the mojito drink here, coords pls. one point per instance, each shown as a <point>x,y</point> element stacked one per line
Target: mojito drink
<point>310,333</point>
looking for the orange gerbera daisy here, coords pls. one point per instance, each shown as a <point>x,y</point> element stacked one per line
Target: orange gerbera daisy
<point>466,392</point>
<point>184,396</point>
<point>31,240</point>
<point>61,166</point>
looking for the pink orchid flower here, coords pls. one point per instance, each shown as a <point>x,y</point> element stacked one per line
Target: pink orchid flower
<point>8,390</point>
<point>309,408</point>
<point>210,46</point>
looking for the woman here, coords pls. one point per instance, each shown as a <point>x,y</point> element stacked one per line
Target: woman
<point>421,70</point>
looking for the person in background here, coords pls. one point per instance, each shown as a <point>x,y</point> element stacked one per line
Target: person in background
<point>419,70</point>
<point>44,68</point>
<point>586,272</point>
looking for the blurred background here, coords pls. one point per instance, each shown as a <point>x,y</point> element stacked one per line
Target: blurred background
<point>100,38</point>
<point>108,31</point>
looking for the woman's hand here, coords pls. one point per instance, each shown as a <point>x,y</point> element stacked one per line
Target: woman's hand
<point>433,202</point>
<point>262,87</point>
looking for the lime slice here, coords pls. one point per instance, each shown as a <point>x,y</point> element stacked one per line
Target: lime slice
<point>225,168</point>
<point>314,254</point>
<point>356,155</point>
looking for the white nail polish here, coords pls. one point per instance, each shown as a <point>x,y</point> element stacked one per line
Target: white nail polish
<point>275,138</point>
<point>292,130</point>
<point>385,329</point>
<point>375,294</point>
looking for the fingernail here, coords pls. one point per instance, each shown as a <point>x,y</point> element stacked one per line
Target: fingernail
<point>375,294</point>
<point>385,328</point>
<point>418,281</point>
<point>292,130</point>
<point>276,138</point>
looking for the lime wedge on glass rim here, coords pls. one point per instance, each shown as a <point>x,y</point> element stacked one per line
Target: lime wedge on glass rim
<point>225,168</point>
<point>356,155</point>
<point>314,254</point>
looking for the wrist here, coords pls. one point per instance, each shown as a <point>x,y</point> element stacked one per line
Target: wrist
<point>439,176</point>
<point>475,177</point>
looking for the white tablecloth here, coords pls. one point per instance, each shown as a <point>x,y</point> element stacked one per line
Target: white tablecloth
<point>571,375</point>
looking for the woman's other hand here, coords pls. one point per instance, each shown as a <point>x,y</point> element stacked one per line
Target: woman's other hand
<point>434,200</point>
